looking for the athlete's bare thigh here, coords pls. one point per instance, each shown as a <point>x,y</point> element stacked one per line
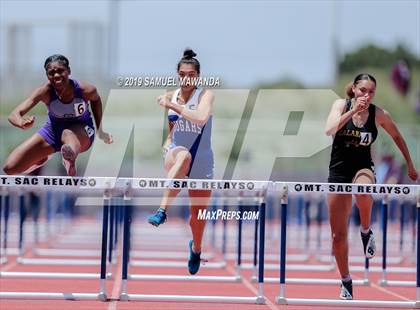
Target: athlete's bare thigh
<point>172,155</point>
<point>80,134</point>
<point>30,152</point>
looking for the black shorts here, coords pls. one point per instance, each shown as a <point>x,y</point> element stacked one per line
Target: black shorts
<point>346,176</point>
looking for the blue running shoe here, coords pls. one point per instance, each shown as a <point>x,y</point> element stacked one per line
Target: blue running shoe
<point>194,260</point>
<point>158,218</point>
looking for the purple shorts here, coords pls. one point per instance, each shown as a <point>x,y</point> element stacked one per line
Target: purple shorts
<point>52,131</point>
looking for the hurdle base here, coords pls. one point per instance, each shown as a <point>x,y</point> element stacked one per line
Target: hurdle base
<point>175,264</point>
<point>48,296</point>
<point>294,267</point>
<point>398,283</point>
<point>260,300</point>
<point>58,261</point>
<point>310,281</point>
<point>191,298</point>
<point>102,296</point>
<point>351,303</point>
<point>281,300</point>
<point>150,277</point>
<point>52,275</point>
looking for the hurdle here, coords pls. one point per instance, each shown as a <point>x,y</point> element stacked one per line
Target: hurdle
<point>366,268</point>
<point>269,257</point>
<point>180,264</point>
<point>55,261</point>
<point>298,267</point>
<point>77,252</point>
<point>375,260</point>
<point>384,281</point>
<point>3,258</point>
<point>160,256</point>
<point>51,261</point>
<point>284,188</point>
<point>141,184</point>
<point>97,253</point>
<point>361,259</point>
<point>105,186</point>
<point>207,265</point>
<point>101,185</point>
<point>4,202</point>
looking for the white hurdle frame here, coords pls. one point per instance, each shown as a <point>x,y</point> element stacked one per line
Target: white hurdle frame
<point>284,188</point>
<point>97,253</point>
<point>104,185</point>
<point>361,259</point>
<point>59,261</point>
<point>260,187</point>
<point>176,264</point>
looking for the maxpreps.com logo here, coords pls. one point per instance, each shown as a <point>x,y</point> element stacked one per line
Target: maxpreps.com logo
<point>227,215</point>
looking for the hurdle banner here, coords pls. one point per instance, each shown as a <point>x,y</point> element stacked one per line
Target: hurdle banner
<point>342,188</point>
<point>197,184</point>
<point>281,188</point>
<point>50,181</point>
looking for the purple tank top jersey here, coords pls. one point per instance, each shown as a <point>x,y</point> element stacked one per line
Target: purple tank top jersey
<point>77,110</point>
<point>63,115</point>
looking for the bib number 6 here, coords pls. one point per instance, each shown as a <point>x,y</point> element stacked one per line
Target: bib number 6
<point>79,108</point>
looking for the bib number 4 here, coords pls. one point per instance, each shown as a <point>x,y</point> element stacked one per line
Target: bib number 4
<point>365,138</point>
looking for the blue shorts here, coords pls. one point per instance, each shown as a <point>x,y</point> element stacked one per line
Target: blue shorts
<point>202,166</point>
<point>52,131</point>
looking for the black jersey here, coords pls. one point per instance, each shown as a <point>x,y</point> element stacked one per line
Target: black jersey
<point>351,145</point>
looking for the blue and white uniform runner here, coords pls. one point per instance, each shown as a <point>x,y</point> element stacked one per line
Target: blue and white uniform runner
<point>197,139</point>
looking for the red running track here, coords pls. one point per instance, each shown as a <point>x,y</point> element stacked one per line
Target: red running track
<point>246,288</point>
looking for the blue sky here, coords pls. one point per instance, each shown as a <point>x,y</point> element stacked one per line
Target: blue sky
<point>243,42</point>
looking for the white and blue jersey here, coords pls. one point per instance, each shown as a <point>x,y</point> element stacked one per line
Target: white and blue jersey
<point>196,138</point>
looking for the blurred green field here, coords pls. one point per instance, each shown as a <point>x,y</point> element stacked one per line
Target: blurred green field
<point>386,95</point>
